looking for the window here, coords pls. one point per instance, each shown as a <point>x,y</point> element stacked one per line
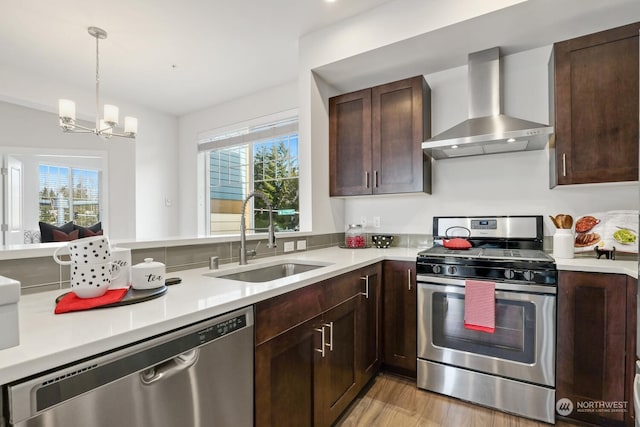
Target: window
<point>262,158</point>
<point>69,194</point>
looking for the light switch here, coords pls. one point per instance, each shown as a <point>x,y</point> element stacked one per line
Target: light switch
<point>288,246</point>
<point>301,245</point>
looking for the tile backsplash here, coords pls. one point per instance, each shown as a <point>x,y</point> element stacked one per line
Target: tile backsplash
<point>44,274</point>
<point>41,274</point>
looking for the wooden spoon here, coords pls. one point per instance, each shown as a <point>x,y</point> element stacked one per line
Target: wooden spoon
<point>554,222</point>
<point>567,222</point>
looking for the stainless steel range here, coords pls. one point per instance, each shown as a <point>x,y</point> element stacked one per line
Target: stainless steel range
<point>510,365</point>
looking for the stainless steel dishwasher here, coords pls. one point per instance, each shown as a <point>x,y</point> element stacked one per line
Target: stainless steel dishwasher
<point>201,375</point>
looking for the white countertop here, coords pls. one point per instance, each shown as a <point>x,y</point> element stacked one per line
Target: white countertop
<point>48,340</point>
<point>593,265</point>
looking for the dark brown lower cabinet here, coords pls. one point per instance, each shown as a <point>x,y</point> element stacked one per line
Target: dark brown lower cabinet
<point>316,348</point>
<point>370,325</point>
<point>399,317</point>
<point>596,346</point>
<point>336,382</point>
<point>285,374</point>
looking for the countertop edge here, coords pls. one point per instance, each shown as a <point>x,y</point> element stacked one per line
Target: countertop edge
<point>197,295</point>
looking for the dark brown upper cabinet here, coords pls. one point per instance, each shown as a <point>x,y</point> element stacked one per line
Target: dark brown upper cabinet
<point>375,139</point>
<point>594,108</point>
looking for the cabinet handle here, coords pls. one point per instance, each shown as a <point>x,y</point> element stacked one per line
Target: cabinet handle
<point>321,349</point>
<point>375,179</point>
<point>564,164</point>
<point>330,326</point>
<point>366,286</point>
<point>409,278</point>
<point>366,179</point>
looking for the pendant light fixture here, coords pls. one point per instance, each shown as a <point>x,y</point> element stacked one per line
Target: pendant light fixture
<point>104,127</point>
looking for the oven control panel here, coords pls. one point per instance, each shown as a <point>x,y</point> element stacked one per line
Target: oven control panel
<point>484,224</point>
<point>492,273</point>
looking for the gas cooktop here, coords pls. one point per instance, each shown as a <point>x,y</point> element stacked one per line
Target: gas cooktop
<point>504,248</point>
<point>488,254</point>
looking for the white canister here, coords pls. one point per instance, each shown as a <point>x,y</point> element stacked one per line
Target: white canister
<point>148,274</point>
<point>122,258</point>
<point>563,243</point>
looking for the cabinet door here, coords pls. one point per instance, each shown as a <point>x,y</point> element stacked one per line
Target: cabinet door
<point>400,123</point>
<point>370,324</point>
<point>350,144</point>
<point>399,317</point>
<point>596,107</point>
<point>591,341</point>
<point>285,377</point>
<point>336,381</point>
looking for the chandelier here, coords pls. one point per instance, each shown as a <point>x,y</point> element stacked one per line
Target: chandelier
<point>104,127</point>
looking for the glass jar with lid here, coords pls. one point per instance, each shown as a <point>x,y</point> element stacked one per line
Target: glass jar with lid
<point>355,237</point>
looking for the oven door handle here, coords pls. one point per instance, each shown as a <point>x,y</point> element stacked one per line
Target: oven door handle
<point>500,294</point>
<point>502,286</point>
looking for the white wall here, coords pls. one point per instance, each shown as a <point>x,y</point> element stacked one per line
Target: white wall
<point>510,183</point>
<point>148,165</point>
<point>400,20</point>
<point>498,184</point>
<point>240,112</point>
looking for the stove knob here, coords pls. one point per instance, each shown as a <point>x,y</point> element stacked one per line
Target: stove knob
<point>509,273</point>
<point>528,275</point>
<point>452,270</point>
<point>436,269</point>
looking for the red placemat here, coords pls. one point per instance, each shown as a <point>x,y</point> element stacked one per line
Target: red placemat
<point>71,302</point>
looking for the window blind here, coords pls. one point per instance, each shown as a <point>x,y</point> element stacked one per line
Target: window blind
<point>250,135</point>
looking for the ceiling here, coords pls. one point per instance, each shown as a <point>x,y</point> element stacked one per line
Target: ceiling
<point>174,56</point>
<point>180,57</point>
<point>523,26</point>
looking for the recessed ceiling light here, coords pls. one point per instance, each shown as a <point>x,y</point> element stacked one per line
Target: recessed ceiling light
<point>511,140</point>
<point>329,1</point>
<point>454,146</point>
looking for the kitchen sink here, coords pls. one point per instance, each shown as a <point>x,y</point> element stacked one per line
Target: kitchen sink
<point>267,272</point>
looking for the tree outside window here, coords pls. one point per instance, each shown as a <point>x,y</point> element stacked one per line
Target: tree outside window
<point>259,163</point>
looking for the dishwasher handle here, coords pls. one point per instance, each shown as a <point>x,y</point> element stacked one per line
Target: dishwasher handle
<point>170,367</point>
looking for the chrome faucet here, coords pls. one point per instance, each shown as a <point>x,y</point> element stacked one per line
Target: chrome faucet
<point>243,228</point>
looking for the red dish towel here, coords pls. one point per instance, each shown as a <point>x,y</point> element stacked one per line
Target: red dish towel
<point>70,302</point>
<point>480,306</point>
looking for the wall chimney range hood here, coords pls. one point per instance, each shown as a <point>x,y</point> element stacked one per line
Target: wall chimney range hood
<point>487,131</point>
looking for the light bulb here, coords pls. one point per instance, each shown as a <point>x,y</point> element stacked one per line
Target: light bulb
<point>67,109</point>
<point>111,114</point>
<point>130,125</point>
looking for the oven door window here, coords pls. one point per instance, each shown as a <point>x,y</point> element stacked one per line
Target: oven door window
<point>513,339</point>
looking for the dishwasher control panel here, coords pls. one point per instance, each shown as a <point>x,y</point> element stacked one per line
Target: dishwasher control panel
<point>222,328</point>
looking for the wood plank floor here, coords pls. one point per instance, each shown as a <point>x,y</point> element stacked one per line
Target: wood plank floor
<point>393,401</point>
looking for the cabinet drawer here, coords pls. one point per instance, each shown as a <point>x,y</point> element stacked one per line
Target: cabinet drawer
<point>283,312</point>
<point>341,288</point>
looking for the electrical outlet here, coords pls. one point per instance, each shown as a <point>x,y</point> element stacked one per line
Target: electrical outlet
<point>301,245</point>
<point>288,247</point>
<point>363,221</point>
<point>376,221</point>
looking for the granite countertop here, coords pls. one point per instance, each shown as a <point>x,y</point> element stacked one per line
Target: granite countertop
<point>48,341</point>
